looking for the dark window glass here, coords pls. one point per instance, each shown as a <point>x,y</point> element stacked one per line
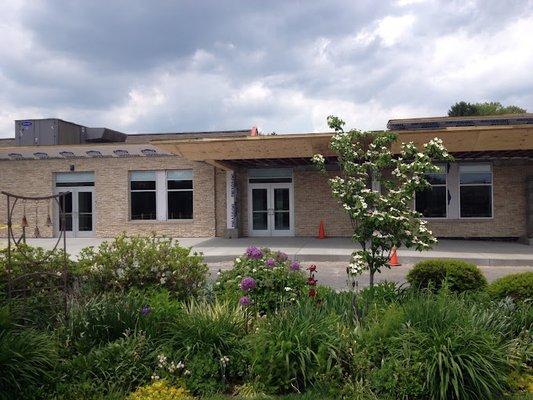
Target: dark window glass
<point>180,205</point>
<point>143,205</point>
<point>436,179</point>
<point>431,203</point>
<point>179,184</point>
<point>142,185</point>
<point>476,177</point>
<point>73,184</point>
<point>66,200</point>
<point>260,221</point>
<point>281,199</point>
<point>282,221</point>
<point>68,223</point>
<point>85,222</point>
<point>476,201</point>
<point>259,200</point>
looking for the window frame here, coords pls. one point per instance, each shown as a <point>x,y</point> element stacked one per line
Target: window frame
<point>131,191</point>
<point>167,191</point>
<point>161,195</point>
<point>491,185</point>
<point>446,193</point>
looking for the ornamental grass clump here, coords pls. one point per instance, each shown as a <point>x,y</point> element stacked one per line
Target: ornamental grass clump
<point>209,339</point>
<point>294,348</point>
<point>435,347</point>
<point>142,262</point>
<point>263,279</point>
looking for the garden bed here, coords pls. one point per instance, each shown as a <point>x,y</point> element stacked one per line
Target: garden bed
<point>143,322</point>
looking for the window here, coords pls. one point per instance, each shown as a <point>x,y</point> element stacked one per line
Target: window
<point>143,195</point>
<point>179,194</point>
<point>161,195</point>
<point>475,188</point>
<point>432,202</point>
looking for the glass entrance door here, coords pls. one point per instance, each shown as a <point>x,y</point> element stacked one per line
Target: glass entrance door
<point>79,214</point>
<point>271,211</point>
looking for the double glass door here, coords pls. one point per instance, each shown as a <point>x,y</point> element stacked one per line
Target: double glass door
<point>271,209</point>
<point>79,215</point>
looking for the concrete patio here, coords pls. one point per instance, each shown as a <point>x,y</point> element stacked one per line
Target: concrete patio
<point>486,253</point>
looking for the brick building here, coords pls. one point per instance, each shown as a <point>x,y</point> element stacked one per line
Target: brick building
<point>239,183</point>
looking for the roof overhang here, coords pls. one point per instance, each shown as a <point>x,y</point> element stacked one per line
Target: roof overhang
<point>298,148</point>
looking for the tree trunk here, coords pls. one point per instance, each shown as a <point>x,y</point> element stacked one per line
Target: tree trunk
<point>372,272</point>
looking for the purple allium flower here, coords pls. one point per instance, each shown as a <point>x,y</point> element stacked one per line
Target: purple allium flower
<point>247,283</point>
<point>270,262</point>
<point>245,301</point>
<point>145,310</point>
<point>295,266</point>
<point>281,256</point>
<point>254,253</point>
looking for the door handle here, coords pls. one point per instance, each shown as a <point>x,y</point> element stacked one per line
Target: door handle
<point>449,197</point>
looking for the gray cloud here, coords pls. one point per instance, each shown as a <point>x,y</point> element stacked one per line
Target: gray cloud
<point>284,66</point>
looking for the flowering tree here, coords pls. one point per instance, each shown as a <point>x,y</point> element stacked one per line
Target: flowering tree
<point>384,218</point>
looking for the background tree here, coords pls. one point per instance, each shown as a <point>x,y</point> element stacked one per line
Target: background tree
<point>381,219</point>
<point>463,109</point>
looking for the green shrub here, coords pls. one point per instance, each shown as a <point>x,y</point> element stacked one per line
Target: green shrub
<point>518,286</point>
<point>141,262</point>
<point>278,281</point>
<point>295,348</point>
<point>460,276</point>
<point>209,340</point>
<point>27,359</point>
<point>439,342</point>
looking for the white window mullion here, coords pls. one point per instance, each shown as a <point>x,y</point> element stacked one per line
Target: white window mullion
<point>161,195</point>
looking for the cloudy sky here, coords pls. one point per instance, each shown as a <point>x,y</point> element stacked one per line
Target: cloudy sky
<point>148,66</point>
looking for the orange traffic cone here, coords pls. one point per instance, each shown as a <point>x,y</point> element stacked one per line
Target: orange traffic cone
<point>393,261</point>
<point>321,231</point>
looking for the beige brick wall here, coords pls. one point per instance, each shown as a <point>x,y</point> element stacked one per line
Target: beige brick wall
<point>36,177</point>
<point>312,198</point>
<point>313,203</point>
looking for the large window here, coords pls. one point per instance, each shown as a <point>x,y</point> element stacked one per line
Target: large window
<point>161,195</point>
<point>143,195</point>
<point>432,202</point>
<point>457,191</point>
<point>179,194</point>
<point>475,187</point>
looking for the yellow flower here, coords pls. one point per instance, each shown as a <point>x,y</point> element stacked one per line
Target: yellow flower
<point>160,390</point>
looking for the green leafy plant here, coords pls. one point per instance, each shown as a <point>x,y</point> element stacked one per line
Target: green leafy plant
<point>141,262</point>
<point>275,280</point>
<point>381,219</point>
<point>518,286</point>
<point>27,359</point>
<point>460,276</point>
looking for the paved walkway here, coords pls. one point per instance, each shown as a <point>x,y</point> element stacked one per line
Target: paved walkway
<point>486,253</point>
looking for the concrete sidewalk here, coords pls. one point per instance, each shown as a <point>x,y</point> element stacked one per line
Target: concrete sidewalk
<point>487,253</point>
